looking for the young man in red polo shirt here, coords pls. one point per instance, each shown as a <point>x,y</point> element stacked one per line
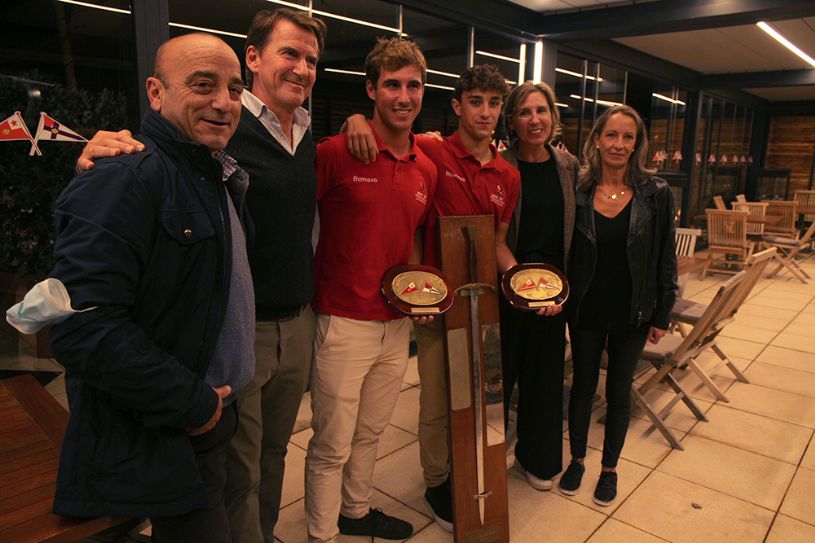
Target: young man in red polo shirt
<point>472,180</point>
<point>370,219</point>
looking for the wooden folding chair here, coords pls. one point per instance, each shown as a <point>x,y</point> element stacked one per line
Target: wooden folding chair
<point>718,202</point>
<point>806,203</point>
<point>788,210</point>
<point>788,249</point>
<point>756,209</point>
<point>727,235</point>
<point>686,241</point>
<point>741,198</point>
<point>688,312</point>
<point>674,352</point>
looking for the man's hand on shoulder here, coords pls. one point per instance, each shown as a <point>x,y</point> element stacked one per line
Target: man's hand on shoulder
<point>361,140</point>
<point>106,144</point>
<point>222,393</point>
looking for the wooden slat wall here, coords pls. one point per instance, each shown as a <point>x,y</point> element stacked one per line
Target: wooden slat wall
<point>791,145</point>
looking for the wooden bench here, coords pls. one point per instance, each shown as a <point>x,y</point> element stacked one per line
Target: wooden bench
<point>32,424</point>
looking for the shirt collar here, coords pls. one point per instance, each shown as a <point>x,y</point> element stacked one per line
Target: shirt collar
<point>257,108</point>
<point>461,152</point>
<point>229,164</point>
<point>381,147</point>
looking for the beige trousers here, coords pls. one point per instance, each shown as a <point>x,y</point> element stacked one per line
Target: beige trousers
<point>358,371</point>
<point>434,416</point>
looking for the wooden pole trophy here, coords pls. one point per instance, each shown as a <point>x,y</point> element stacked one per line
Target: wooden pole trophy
<point>474,377</point>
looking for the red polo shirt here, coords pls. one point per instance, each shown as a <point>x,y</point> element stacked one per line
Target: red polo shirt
<point>466,187</point>
<point>368,216</point>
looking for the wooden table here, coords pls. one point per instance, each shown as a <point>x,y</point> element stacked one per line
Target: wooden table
<point>689,264</point>
<point>32,424</point>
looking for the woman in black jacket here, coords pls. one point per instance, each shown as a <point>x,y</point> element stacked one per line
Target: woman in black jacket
<point>623,280</point>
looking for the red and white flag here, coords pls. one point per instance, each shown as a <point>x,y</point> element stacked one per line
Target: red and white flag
<point>528,284</point>
<point>410,288</point>
<point>14,129</point>
<point>49,129</point>
<point>430,288</point>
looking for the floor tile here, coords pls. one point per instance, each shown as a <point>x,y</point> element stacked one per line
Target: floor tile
<point>740,348</point>
<point>664,506</point>
<point>808,461</point>
<point>799,503</point>
<point>729,470</point>
<point>293,482</point>
<point>406,412</point>
<point>769,312</point>
<point>788,303</point>
<point>750,333</point>
<point>769,437</point>
<point>795,341</point>
<point>804,318</point>
<point>644,444</point>
<point>788,358</point>
<point>779,378</point>
<point>799,328</point>
<point>614,531</point>
<point>399,475</point>
<point>680,417</point>
<point>761,323</point>
<point>772,403</point>
<point>547,516</point>
<point>789,530</point>
<point>630,476</point>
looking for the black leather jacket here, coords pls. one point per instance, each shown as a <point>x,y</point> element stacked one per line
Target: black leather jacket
<point>651,254</point>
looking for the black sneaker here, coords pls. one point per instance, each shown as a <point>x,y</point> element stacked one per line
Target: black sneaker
<point>606,491</point>
<point>440,501</point>
<point>376,524</point>
<point>570,480</point>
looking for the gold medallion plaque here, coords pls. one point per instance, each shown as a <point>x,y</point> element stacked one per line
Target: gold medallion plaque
<point>536,284</point>
<point>417,290</point>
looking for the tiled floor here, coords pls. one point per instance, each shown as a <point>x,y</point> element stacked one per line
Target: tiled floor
<point>746,475</point>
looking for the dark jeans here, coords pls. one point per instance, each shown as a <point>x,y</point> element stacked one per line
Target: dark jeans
<point>208,524</point>
<point>624,348</point>
<point>532,352</point>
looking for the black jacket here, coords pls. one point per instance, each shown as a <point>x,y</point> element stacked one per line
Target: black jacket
<point>651,254</point>
<point>144,238</point>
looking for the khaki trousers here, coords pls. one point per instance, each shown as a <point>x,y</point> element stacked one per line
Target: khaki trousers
<point>267,410</point>
<point>434,415</point>
<point>358,371</point>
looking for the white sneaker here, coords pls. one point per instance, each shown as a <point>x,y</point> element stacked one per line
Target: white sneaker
<point>535,482</point>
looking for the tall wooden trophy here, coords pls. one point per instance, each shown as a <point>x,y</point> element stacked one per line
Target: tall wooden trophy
<point>473,350</point>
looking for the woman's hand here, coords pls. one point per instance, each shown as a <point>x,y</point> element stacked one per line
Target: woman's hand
<point>550,311</point>
<point>655,334</point>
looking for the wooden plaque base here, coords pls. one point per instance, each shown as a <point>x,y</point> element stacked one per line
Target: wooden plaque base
<point>455,255</point>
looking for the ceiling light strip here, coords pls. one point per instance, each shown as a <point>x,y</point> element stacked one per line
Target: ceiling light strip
<point>446,74</point>
<point>500,57</point>
<point>339,71</point>
<point>96,6</point>
<point>445,87</point>
<point>671,100</point>
<point>205,29</point>
<point>601,102</point>
<point>785,42</point>
<point>576,74</point>
<point>338,17</point>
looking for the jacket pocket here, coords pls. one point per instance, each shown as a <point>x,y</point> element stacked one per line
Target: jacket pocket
<point>187,227</point>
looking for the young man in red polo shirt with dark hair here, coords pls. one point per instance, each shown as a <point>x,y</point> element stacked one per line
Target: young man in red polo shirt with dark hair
<point>370,219</point>
<point>472,180</point>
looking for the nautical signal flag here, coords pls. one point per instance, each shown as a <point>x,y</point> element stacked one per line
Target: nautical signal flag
<point>14,129</point>
<point>410,288</point>
<point>49,129</point>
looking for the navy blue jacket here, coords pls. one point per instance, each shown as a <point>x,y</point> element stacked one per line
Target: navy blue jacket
<point>144,238</point>
<point>651,254</point>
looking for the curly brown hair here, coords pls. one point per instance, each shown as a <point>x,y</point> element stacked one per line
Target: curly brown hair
<point>393,54</point>
<point>485,77</point>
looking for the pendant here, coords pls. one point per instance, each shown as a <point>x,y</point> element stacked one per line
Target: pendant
<point>614,196</point>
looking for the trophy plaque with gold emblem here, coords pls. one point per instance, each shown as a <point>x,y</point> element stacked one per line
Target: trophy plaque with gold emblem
<point>417,290</point>
<point>534,286</point>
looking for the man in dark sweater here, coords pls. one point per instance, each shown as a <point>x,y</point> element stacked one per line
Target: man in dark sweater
<point>273,144</point>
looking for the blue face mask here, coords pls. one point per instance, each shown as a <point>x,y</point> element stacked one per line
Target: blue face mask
<point>48,302</point>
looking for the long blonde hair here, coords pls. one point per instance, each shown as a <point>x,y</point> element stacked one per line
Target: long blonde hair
<point>592,167</point>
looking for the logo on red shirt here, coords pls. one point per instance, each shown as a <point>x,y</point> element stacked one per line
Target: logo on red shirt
<point>358,179</point>
<point>448,173</point>
<point>421,194</point>
<point>498,197</point>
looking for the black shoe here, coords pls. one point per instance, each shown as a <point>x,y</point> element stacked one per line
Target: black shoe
<point>376,524</point>
<point>570,480</point>
<point>606,491</point>
<point>440,501</point>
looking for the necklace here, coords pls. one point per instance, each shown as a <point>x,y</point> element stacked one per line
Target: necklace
<point>613,195</point>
